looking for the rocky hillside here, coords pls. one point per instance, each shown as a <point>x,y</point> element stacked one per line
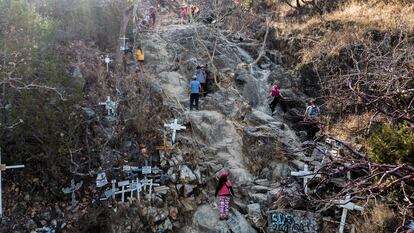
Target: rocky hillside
<point>72,136</point>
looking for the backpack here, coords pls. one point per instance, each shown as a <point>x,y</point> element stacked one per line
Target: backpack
<point>314,111</point>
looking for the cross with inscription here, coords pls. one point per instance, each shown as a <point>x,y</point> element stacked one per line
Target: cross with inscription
<point>174,127</point>
<point>347,205</point>
<point>3,167</point>
<point>110,106</point>
<point>305,175</point>
<point>165,147</point>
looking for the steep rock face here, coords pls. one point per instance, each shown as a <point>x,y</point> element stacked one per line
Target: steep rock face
<point>234,129</point>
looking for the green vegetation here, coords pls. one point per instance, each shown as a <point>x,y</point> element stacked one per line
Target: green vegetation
<point>392,144</point>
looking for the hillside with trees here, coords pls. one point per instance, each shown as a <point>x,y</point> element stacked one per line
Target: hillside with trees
<point>78,105</point>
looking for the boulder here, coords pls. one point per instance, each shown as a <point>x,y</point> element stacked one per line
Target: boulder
<point>290,221</point>
<point>186,174</point>
<point>206,220</point>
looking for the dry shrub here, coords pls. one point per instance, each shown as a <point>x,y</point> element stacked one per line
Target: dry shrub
<point>352,127</point>
<point>380,218</point>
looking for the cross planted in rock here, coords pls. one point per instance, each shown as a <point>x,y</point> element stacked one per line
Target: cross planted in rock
<point>72,189</point>
<point>346,205</point>
<point>305,175</point>
<point>3,167</point>
<point>110,106</point>
<point>174,127</point>
<point>165,147</point>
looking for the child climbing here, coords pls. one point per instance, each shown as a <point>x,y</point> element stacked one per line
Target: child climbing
<point>311,120</point>
<point>225,190</point>
<point>312,112</point>
<point>277,96</point>
<point>195,87</point>
<point>202,78</point>
<point>140,55</point>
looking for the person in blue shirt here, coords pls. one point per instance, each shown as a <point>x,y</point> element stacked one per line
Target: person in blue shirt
<point>195,87</point>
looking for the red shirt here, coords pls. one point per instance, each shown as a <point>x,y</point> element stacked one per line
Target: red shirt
<point>224,191</point>
<point>275,92</point>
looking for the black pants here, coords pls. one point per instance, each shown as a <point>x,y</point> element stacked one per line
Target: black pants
<point>204,89</point>
<point>194,99</point>
<point>274,102</point>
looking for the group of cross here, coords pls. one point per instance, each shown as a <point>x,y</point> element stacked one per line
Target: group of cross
<point>307,175</point>
<point>134,186</point>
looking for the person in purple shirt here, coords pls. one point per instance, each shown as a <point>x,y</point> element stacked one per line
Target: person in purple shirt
<point>195,87</point>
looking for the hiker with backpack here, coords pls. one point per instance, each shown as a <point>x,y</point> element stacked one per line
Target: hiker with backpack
<point>312,112</point>
<point>277,96</point>
<point>224,190</point>
<point>202,78</point>
<point>311,120</point>
<point>140,55</point>
<point>195,87</point>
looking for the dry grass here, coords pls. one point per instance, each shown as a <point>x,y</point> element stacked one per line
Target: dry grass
<point>325,36</point>
<point>351,127</point>
<point>380,219</point>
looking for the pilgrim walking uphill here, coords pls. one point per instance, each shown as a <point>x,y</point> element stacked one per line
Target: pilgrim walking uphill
<point>225,190</point>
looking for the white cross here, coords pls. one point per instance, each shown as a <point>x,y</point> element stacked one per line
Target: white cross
<point>124,46</point>
<point>149,182</point>
<point>110,106</point>
<point>107,61</point>
<point>136,186</point>
<point>72,189</point>
<point>174,126</point>
<point>123,184</point>
<point>3,167</point>
<point>305,174</point>
<point>347,205</point>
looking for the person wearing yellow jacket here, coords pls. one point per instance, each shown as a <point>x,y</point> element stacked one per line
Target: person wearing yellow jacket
<point>140,55</point>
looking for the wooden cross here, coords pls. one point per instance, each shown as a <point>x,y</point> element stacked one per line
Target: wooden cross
<point>72,189</point>
<point>3,167</point>
<point>110,106</point>
<point>347,205</point>
<point>165,147</point>
<point>306,175</point>
<point>107,61</point>
<point>174,127</point>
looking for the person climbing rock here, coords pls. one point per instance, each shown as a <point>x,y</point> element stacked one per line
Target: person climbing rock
<point>202,78</point>
<point>152,16</point>
<point>312,112</point>
<point>277,96</point>
<point>311,120</point>
<point>225,190</point>
<point>184,13</point>
<point>140,55</point>
<point>192,11</point>
<point>195,87</point>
